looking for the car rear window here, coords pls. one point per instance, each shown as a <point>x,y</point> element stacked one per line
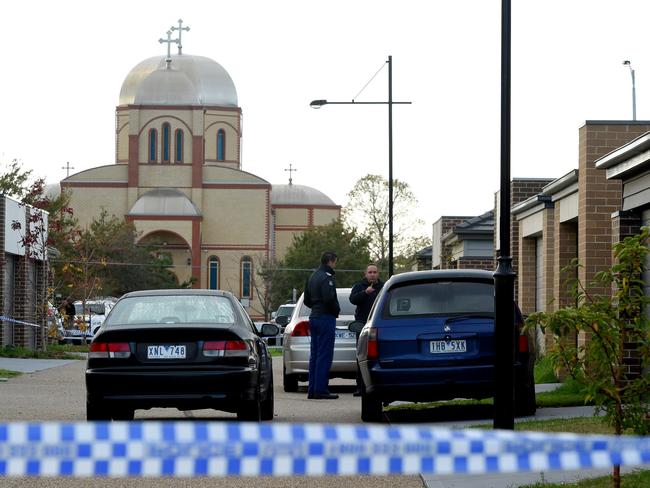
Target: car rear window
<point>169,309</point>
<point>344,302</point>
<point>440,298</point>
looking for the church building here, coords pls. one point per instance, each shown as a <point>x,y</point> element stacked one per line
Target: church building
<point>178,177</point>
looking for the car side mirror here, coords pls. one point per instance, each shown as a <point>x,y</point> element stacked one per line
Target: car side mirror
<point>356,327</point>
<point>269,330</point>
<point>282,320</point>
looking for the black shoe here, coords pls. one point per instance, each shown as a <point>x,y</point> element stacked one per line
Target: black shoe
<point>324,396</point>
<point>357,393</point>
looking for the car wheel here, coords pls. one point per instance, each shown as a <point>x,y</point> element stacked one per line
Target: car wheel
<point>123,414</point>
<point>371,408</point>
<point>267,405</point>
<point>525,402</point>
<point>250,410</point>
<point>96,412</point>
<point>290,382</point>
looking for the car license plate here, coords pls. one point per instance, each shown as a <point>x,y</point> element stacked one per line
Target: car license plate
<point>166,352</point>
<point>450,346</point>
<point>344,334</point>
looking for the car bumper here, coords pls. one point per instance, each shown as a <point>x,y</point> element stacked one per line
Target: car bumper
<point>344,362</point>
<point>390,384</point>
<point>171,388</point>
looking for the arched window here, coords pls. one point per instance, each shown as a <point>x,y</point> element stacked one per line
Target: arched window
<point>221,145</point>
<point>179,146</point>
<point>166,130</point>
<point>153,145</point>
<point>246,277</point>
<point>213,273</point>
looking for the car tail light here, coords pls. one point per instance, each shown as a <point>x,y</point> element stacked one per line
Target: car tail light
<point>372,352</point>
<point>109,350</point>
<point>301,329</point>
<point>523,343</point>
<point>225,348</point>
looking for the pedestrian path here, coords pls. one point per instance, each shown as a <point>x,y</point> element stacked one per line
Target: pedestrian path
<point>31,365</point>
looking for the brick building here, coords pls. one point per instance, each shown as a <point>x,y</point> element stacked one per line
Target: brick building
<point>463,242</point>
<point>574,217</point>
<point>23,274</point>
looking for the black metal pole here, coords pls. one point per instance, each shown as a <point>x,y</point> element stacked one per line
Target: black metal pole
<point>391,268</point>
<point>504,276</point>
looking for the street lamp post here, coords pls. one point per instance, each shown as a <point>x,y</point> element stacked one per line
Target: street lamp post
<point>504,276</point>
<point>629,65</point>
<point>390,103</point>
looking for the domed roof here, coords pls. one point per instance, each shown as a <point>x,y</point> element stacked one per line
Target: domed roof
<point>164,201</point>
<point>190,80</point>
<point>298,195</point>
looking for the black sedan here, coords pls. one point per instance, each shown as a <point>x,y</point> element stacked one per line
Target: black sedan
<point>186,349</point>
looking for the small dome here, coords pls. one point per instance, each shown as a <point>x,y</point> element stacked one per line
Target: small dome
<point>194,80</point>
<point>164,201</point>
<point>298,195</point>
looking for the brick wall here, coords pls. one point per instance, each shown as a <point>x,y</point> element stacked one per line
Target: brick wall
<point>526,276</point>
<point>3,263</point>
<point>474,263</point>
<point>448,223</point>
<point>520,189</point>
<point>598,197</point>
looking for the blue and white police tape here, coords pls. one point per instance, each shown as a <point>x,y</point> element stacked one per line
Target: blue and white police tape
<point>264,449</point>
<point>14,321</point>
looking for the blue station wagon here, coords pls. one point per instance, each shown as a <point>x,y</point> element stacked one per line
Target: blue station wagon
<point>430,336</point>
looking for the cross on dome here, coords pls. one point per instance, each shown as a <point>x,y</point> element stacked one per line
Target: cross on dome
<point>169,41</point>
<point>180,30</point>
<point>290,170</point>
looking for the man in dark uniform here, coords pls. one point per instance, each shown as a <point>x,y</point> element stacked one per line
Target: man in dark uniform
<point>363,295</point>
<point>320,296</point>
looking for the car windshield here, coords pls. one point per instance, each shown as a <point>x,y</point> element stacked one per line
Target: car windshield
<point>170,309</point>
<point>344,302</point>
<point>441,298</point>
<point>285,310</point>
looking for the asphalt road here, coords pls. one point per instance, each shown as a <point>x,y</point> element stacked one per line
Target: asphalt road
<point>58,394</point>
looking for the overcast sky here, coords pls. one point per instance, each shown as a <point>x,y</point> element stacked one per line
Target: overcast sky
<point>64,63</point>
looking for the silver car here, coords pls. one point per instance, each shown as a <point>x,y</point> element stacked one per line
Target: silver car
<point>296,344</point>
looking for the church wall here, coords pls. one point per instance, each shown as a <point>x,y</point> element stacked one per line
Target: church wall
<point>215,174</point>
<point>229,121</point>
<point>291,216</point>
<point>110,173</point>
<point>154,119</point>
<point>283,239</point>
<point>238,216</point>
<point>324,216</point>
<point>122,137</point>
<point>230,274</point>
<point>181,227</point>
<point>88,203</point>
<point>174,176</point>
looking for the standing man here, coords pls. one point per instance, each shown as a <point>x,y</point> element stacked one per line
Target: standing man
<point>320,296</point>
<point>363,295</point>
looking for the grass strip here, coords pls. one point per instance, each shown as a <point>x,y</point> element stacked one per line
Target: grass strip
<point>7,373</point>
<point>25,353</point>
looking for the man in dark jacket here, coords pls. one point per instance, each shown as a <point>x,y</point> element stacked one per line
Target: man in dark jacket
<point>363,295</point>
<point>320,296</point>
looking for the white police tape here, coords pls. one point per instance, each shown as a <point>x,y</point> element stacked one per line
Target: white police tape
<point>122,449</point>
<point>9,319</point>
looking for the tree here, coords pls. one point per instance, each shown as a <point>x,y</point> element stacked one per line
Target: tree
<point>104,258</point>
<point>367,212</point>
<point>303,256</point>
<point>618,385</point>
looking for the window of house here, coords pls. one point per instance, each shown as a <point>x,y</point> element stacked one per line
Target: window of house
<point>153,140</point>
<point>221,145</point>
<point>166,129</point>
<point>213,273</point>
<point>246,277</point>
<point>179,146</point>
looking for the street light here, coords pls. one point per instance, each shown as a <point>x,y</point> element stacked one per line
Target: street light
<point>319,103</point>
<point>504,276</point>
<point>629,65</point>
